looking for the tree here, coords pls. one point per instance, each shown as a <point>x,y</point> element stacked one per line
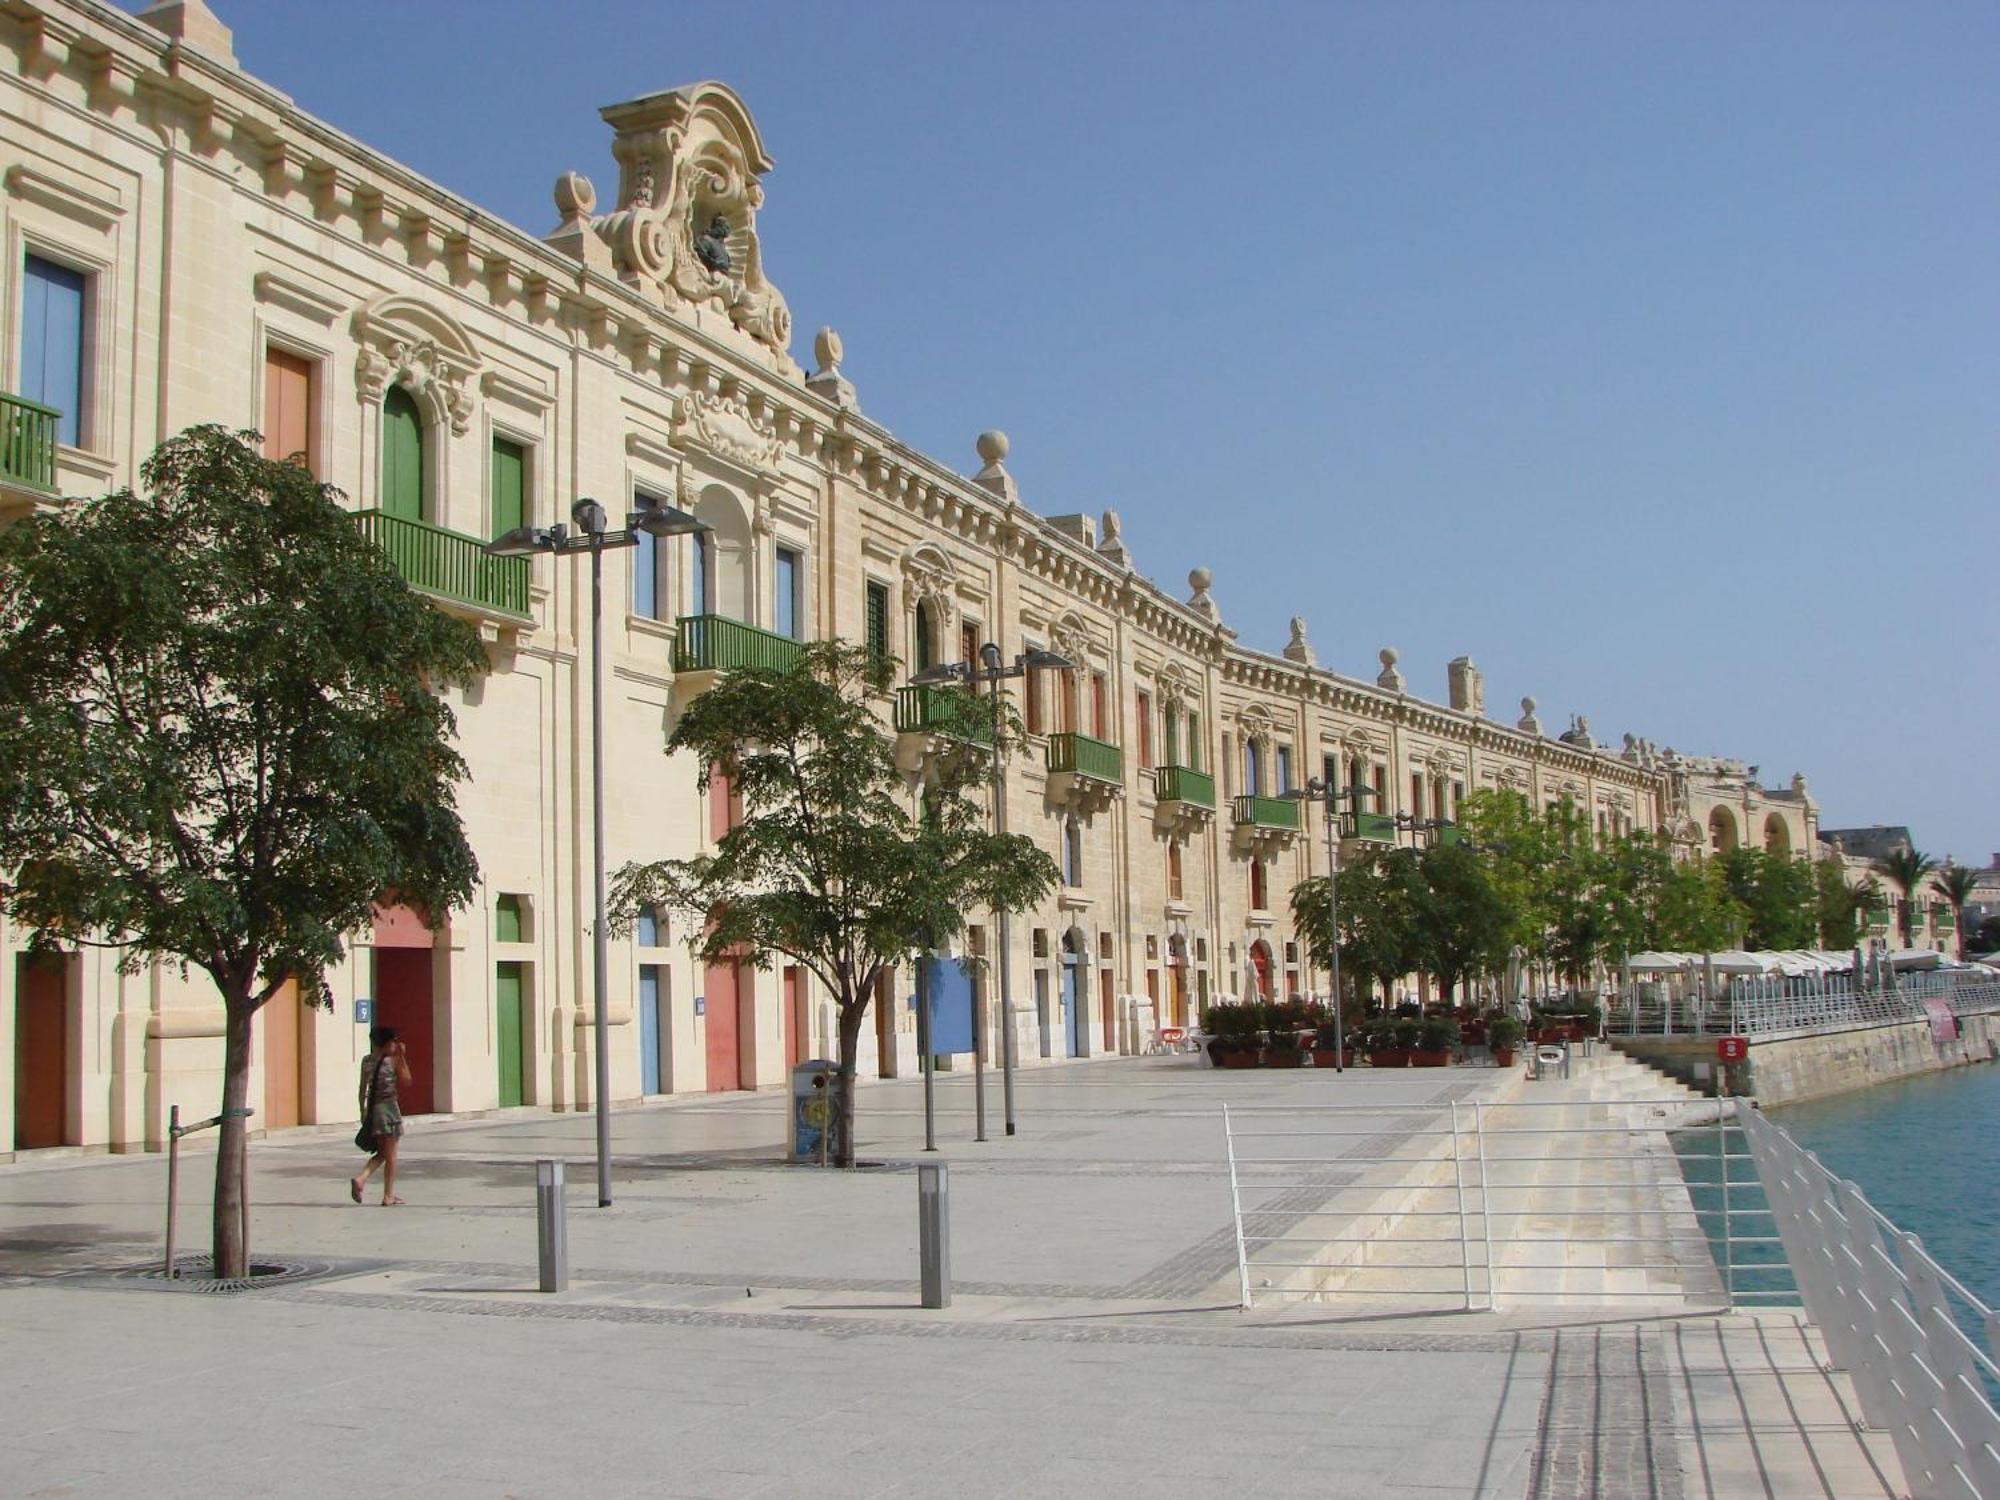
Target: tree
<point>1955,882</point>
<point>830,865</point>
<point>1779,895</point>
<point>1907,869</point>
<point>1463,925</point>
<point>1838,904</point>
<point>220,738</point>
<point>1379,896</point>
<point>1697,913</point>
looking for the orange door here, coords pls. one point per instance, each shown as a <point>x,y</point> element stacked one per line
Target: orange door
<point>279,1019</point>
<point>41,1052</point>
<point>795,1016</point>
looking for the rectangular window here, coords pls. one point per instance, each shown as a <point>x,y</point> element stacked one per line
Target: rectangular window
<point>785,595</point>
<point>1032,714</point>
<point>510,486</point>
<point>1066,697</point>
<point>1170,735</point>
<point>1329,771</point>
<point>1253,770</point>
<point>1416,794</point>
<point>1382,790</point>
<point>700,570</point>
<point>876,621</point>
<point>1194,742</point>
<point>52,338</point>
<point>1144,706</point>
<point>968,641</point>
<point>649,598</point>
<point>1457,799</point>
<point>507,926</point>
<point>1097,706</point>
<point>288,408</point>
<point>1284,769</point>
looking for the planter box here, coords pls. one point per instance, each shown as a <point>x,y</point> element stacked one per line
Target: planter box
<point>1422,1059</point>
<point>1388,1057</point>
<point>1284,1057</point>
<point>1323,1057</point>
<point>1236,1059</point>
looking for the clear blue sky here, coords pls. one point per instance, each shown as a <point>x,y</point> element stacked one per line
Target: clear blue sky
<point>1650,353</point>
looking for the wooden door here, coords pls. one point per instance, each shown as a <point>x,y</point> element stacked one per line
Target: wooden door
<point>279,1019</point>
<point>719,986</point>
<point>508,996</point>
<point>403,1000</point>
<point>796,1029</point>
<point>1107,1007</point>
<point>41,1051</point>
<point>885,1026</point>
<point>1180,996</point>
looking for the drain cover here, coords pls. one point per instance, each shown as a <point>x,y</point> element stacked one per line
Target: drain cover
<point>196,1273</point>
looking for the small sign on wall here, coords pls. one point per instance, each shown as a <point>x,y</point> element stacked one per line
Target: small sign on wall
<point>701,1005</point>
<point>1732,1048</point>
<point>364,1012</point>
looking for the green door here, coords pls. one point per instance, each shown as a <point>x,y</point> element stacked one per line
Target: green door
<point>402,456</point>
<point>510,470</point>
<point>507,999</point>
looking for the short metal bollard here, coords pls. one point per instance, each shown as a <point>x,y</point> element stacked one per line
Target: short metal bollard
<point>934,1232</point>
<point>551,1226</point>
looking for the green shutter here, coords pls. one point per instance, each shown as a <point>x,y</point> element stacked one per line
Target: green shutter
<point>402,456</point>
<point>510,469</point>
<point>507,919</point>
<point>1194,742</point>
<point>878,620</point>
<point>507,1032</point>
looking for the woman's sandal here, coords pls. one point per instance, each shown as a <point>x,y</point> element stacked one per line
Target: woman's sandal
<point>354,1190</point>
<point>394,1202</point>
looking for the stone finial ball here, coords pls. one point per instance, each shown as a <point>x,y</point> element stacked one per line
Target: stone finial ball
<point>993,445</point>
<point>574,195</point>
<point>1389,656</point>
<point>827,348</point>
<point>1527,705</point>
<point>1199,579</point>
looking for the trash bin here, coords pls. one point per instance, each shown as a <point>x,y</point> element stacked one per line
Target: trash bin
<point>815,1111</point>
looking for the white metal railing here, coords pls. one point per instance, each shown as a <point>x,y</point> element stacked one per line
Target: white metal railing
<point>1488,1204</point>
<point>1896,1321</point>
<point>1808,1003</point>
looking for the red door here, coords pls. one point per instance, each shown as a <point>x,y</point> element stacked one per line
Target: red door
<point>719,1000</point>
<point>1260,955</point>
<point>403,999</point>
<point>795,1016</point>
<point>41,1052</point>
<point>1109,1008</point>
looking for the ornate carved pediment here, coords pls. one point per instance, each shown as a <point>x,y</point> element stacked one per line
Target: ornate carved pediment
<point>685,228</point>
<point>412,344</point>
<point>1071,638</point>
<point>930,577</point>
<point>726,427</point>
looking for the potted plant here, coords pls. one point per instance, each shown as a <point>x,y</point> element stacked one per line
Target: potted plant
<point>1389,1041</point>
<point>1324,1042</point>
<point>1233,1029</point>
<point>1503,1035</point>
<point>1281,1049</point>
<point>1436,1036</point>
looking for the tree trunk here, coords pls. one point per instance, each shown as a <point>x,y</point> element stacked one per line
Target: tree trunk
<point>851,1015</point>
<point>231,1143</point>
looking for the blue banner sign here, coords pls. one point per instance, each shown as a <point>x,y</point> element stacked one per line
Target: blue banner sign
<point>950,987</point>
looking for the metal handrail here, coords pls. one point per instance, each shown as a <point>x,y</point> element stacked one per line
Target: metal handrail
<point>1892,1317</point>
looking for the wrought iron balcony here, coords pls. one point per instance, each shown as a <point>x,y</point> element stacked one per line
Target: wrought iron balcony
<point>716,643</point>
<point>449,564</point>
<point>28,442</point>
<point>1083,756</point>
<point>945,711</point>
<point>1274,813</point>
<point>1184,784</point>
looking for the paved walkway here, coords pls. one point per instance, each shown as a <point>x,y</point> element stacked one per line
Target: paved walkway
<point>737,1327</point>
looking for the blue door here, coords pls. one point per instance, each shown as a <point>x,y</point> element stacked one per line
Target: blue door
<point>1073,1002</point>
<point>649,1029</point>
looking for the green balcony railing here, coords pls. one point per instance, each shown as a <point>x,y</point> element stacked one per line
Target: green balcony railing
<point>1944,921</point>
<point>1087,757</point>
<point>1265,812</point>
<point>1877,920</point>
<point>935,710</point>
<point>1447,834</point>
<point>716,643</point>
<point>1374,828</point>
<point>1185,784</point>
<point>28,442</point>
<point>448,564</point>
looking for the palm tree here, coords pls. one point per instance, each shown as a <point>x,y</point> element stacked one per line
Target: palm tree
<point>1908,868</point>
<point>1956,883</point>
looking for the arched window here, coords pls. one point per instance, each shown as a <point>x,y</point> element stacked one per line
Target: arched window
<point>926,642</point>
<point>1721,831</point>
<point>1253,770</point>
<point>405,483</point>
<point>1777,837</point>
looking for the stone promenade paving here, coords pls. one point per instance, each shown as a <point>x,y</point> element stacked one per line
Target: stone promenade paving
<point>736,1327</point>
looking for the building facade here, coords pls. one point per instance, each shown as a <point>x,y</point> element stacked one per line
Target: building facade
<point>183,245</point>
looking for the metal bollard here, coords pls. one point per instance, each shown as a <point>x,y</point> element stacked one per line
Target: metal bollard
<point>551,1226</point>
<point>934,1232</point>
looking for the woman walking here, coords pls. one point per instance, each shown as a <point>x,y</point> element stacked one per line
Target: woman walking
<point>383,1071</point>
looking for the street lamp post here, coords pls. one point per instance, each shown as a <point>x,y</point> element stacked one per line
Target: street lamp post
<point>993,670</point>
<point>1317,790</point>
<point>591,536</point>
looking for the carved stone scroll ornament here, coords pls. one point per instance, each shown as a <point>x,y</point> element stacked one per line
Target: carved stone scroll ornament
<point>726,427</point>
<point>407,342</point>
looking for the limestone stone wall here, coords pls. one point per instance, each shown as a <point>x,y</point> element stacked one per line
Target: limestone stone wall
<point>1785,1070</point>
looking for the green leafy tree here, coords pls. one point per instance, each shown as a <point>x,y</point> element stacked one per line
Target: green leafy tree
<point>1696,912</point>
<point>1380,895</point>
<point>831,866</point>
<point>1463,925</point>
<point>1838,905</point>
<point>220,738</point>
<point>1907,870</point>
<point>1637,870</point>
<point>1569,881</point>
<point>1955,883</point>
<point>1779,896</point>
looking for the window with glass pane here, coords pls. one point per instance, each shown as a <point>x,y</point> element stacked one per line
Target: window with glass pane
<point>1253,770</point>
<point>646,930</point>
<point>52,310</point>
<point>288,407</point>
<point>649,594</point>
<point>1144,713</point>
<point>1284,769</point>
<point>1194,742</point>
<point>876,620</point>
<point>698,574</point>
<point>785,594</point>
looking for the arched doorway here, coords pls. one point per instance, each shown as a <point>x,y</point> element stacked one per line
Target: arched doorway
<point>1777,837</point>
<point>1076,991</point>
<point>1260,964</point>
